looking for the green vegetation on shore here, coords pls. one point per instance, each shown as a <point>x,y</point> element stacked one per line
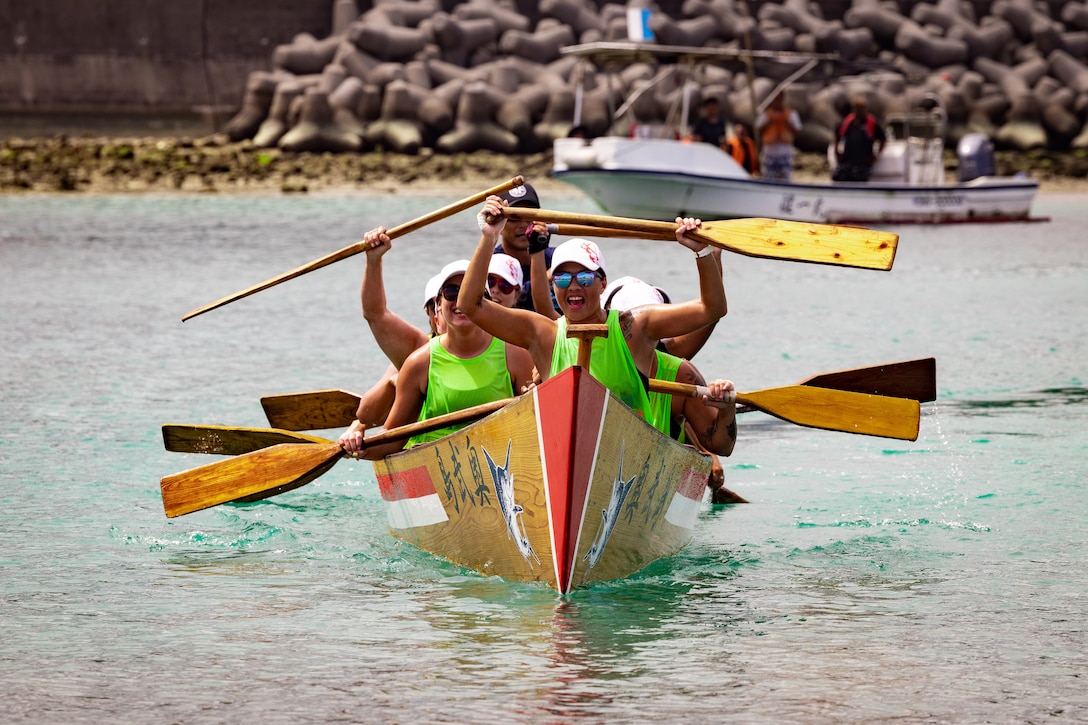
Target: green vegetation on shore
<point>70,164</point>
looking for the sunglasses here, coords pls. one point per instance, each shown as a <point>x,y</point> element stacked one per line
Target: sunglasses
<point>504,286</point>
<point>450,292</point>
<point>585,278</point>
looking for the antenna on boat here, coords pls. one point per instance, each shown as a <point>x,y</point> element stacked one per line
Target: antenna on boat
<point>749,67</point>
<point>781,87</point>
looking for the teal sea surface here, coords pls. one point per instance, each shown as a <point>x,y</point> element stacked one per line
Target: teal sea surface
<point>869,580</point>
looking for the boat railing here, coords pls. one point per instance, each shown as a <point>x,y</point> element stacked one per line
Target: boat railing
<point>922,135</point>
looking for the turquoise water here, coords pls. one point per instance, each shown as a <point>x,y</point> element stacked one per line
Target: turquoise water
<point>869,580</point>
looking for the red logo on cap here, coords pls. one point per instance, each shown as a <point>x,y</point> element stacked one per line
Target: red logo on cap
<point>591,251</point>
<point>512,269</point>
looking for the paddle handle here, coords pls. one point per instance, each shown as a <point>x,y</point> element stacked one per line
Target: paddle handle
<point>353,249</point>
<point>689,390</point>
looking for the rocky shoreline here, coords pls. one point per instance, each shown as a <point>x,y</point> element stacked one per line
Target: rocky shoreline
<point>214,164</point>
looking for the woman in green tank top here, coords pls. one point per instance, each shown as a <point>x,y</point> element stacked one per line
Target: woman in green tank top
<point>462,367</point>
<point>578,279</point>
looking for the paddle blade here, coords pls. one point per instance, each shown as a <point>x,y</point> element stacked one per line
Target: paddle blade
<point>317,410</point>
<point>228,441</point>
<point>266,471</point>
<point>290,485</point>
<point>803,242</point>
<point>915,379</point>
<point>839,410</point>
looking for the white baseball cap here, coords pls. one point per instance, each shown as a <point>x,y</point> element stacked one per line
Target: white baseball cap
<point>506,267</point>
<point>627,293</point>
<point>580,251</point>
<point>435,283</point>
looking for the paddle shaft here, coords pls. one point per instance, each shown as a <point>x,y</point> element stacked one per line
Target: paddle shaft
<point>769,238</point>
<point>353,249</point>
<point>441,421</point>
<point>584,230</point>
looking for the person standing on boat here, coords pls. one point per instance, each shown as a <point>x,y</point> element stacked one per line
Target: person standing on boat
<point>463,367</point>
<point>710,128</point>
<point>521,239</point>
<point>742,148</point>
<point>854,140</point>
<point>621,361</point>
<point>777,125</point>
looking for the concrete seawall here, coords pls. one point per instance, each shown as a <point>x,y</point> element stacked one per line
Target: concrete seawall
<point>155,64</point>
<point>467,75</point>
<point>133,58</point>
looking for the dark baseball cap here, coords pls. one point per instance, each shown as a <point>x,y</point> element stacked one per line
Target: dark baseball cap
<point>524,195</point>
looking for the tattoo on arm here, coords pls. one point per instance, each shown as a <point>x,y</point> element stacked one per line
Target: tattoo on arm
<point>627,321</point>
<point>691,375</point>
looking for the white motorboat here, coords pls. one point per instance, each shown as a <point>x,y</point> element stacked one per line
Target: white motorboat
<point>661,177</point>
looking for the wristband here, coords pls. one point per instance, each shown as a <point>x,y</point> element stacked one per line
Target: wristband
<point>704,252</point>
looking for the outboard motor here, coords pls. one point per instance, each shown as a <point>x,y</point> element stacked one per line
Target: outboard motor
<point>975,153</point>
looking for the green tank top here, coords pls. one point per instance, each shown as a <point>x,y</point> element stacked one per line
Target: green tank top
<point>455,384</point>
<point>661,403</point>
<point>611,364</point>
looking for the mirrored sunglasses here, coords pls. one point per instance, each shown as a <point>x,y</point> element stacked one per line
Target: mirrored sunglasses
<point>496,281</point>
<point>563,279</point>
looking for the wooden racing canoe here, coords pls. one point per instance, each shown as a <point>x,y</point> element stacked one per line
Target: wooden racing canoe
<point>564,486</point>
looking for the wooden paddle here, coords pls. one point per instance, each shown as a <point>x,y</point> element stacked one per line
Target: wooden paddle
<point>318,410</point>
<point>770,238</point>
<point>914,379</point>
<point>226,440</point>
<point>874,415</point>
<point>269,471</point>
<point>322,409</point>
<point>358,247</point>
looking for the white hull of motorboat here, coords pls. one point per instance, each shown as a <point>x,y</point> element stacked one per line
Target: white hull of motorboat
<point>657,178</point>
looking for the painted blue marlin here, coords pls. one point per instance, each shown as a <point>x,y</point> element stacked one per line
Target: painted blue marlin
<point>511,511</point>
<point>610,515</point>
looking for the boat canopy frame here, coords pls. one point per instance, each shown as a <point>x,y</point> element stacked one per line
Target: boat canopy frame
<point>675,59</point>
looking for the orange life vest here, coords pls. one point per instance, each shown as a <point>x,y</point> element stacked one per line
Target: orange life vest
<point>743,152</point>
<point>778,129</point>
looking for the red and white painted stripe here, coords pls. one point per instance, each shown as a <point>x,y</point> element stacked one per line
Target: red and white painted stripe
<point>411,499</point>
<point>688,500</point>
